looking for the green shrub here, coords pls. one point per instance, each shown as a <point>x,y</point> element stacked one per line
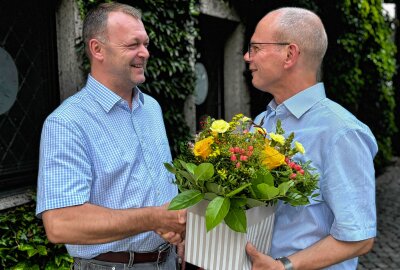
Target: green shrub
<point>24,245</point>
<point>360,65</point>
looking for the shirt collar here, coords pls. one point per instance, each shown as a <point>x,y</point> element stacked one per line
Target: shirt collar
<point>106,97</point>
<point>302,101</point>
<point>138,96</point>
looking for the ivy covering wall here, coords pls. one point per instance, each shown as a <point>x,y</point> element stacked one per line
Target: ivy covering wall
<point>360,65</point>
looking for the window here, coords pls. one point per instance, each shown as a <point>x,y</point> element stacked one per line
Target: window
<point>28,86</point>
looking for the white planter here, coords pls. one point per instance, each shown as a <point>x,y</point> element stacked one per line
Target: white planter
<point>224,249</point>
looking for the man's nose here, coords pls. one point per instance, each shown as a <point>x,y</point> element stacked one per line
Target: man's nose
<point>246,57</point>
<point>144,52</point>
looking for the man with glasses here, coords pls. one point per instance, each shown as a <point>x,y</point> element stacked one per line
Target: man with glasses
<point>285,56</point>
<point>102,185</point>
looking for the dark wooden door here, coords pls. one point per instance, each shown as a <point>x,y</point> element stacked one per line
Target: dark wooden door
<point>214,33</point>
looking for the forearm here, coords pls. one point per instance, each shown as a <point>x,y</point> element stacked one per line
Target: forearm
<point>327,252</point>
<point>91,224</point>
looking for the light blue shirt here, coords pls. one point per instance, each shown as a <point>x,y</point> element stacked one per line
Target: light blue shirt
<point>342,149</point>
<point>95,149</point>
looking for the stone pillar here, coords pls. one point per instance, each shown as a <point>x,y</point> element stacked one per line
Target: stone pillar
<point>190,113</point>
<point>69,30</point>
<point>236,94</point>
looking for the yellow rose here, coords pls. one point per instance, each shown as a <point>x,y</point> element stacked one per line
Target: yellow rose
<point>219,126</point>
<point>278,138</point>
<point>273,158</point>
<point>299,147</point>
<point>203,148</point>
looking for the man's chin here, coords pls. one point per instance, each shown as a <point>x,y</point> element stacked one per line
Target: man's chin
<point>138,81</point>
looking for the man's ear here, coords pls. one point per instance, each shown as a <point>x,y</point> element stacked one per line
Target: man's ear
<point>292,55</point>
<point>96,49</point>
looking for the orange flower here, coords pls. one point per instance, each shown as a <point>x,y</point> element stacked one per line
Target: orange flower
<point>203,148</point>
<point>272,158</point>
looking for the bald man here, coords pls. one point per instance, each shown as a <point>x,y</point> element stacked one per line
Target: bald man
<point>285,56</point>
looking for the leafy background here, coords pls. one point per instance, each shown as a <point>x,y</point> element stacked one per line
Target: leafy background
<point>24,245</point>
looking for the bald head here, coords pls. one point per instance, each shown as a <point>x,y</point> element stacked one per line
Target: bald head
<point>302,27</point>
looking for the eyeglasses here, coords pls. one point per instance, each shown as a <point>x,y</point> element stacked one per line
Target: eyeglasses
<point>253,48</point>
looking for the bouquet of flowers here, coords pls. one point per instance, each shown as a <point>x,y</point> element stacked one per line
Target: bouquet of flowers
<point>237,166</point>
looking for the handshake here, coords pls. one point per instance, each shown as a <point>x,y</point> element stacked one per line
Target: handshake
<point>172,224</point>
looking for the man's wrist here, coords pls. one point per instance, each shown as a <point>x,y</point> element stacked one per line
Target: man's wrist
<point>287,264</point>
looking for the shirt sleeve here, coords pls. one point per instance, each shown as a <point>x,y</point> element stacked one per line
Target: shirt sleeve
<point>348,185</point>
<point>64,169</point>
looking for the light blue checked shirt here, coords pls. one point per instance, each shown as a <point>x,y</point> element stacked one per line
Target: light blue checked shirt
<point>342,149</point>
<point>95,149</point>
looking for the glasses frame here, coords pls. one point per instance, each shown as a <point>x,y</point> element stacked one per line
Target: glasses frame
<point>265,43</point>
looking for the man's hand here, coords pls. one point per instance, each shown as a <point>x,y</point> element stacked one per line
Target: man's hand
<point>261,261</point>
<point>172,224</point>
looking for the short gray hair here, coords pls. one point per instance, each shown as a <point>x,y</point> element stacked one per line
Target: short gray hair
<point>95,23</point>
<point>305,28</point>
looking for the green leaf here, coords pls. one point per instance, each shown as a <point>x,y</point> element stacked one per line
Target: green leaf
<point>238,202</point>
<point>263,177</point>
<point>32,252</point>
<point>254,203</point>
<point>190,167</point>
<point>204,171</point>
<point>185,199</point>
<point>21,266</point>
<point>183,163</point>
<point>42,250</point>
<point>236,191</point>
<point>9,257</point>
<point>236,220</point>
<point>214,188</point>
<point>209,196</point>
<point>62,259</point>
<point>284,187</point>
<point>24,247</point>
<point>170,167</point>
<point>188,176</point>
<point>216,211</point>
<point>267,192</point>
